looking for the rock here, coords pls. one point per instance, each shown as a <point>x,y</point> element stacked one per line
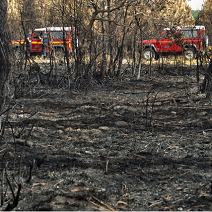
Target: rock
<point>88,152</point>
<point>118,107</point>
<point>109,138</point>
<point>69,129</point>
<point>21,142</point>
<point>96,131</point>
<point>105,128</point>
<point>84,137</point>
<point>87,107</point>
<point>121,124</point>
<point>60,131</point>
<point>131,109</point>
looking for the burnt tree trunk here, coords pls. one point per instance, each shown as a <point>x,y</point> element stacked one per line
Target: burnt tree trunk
<point>121,47</point>
<point>110,47</point>
<point>206,85</point>
<point>104,59</point>
<point>134,53</point>
<point>141,52</point>
<point>4,51</point>
<point>64,38</point>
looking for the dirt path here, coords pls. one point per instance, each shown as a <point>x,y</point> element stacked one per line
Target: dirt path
<point>124,145</point>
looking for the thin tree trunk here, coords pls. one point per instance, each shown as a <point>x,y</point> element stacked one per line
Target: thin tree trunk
<point>141,52</point>
<point>64,37</point>
<point>76,72</point>
<point>103,65</point>
<point>133,54</point>
<point>120,55</point>
<point>121,47</point>
<point>206,85</point>
<point>4,51</point>
<point>140,57</point>
<point>110,48</point>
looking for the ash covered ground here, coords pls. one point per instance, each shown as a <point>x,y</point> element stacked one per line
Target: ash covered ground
<point>123,144</point>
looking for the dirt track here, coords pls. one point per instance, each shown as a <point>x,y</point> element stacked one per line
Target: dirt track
<point>111,149</point>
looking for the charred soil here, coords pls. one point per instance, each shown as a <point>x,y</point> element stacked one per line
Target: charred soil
<point>124,144</point>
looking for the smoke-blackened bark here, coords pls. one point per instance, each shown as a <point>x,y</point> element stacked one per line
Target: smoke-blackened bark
<point>4,50</point>
<point>206,85</point>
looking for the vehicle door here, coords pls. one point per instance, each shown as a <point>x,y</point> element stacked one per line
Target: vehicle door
<point>165,43</point>
<point>168,42</point>
<point>192,37</point>
<point>36,42</point>
<point>57,38</point>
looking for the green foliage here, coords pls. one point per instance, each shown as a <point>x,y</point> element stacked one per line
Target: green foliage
<point>194,13</point>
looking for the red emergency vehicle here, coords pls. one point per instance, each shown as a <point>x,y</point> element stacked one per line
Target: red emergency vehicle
<point>56,35</point>
<point>194,40</point>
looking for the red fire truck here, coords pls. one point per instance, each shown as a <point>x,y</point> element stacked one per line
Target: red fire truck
<point>56,35</point>
<point>194,40</point>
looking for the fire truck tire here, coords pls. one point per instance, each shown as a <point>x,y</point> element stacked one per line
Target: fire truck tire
<point>205,41</point>
<point>148,54</point>
<point>189,53</point>
<point>59,54</point>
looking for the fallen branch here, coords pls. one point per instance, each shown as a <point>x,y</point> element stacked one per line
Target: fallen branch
<point>112,209</point>
<point>58,182</point>
<point>15,201</point>
<point>155,203</point>
<point>37,192</point>
<point>96,204</point>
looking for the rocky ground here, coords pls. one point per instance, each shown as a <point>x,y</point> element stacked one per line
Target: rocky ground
<point>123,144</point>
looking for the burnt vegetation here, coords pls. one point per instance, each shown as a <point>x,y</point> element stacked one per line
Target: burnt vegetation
<point>100,128</point>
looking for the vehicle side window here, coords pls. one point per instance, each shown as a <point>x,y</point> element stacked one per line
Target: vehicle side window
<point>36,35</point>
<point>57,35</point>
<point>191,33</point>
<point>165,35</point>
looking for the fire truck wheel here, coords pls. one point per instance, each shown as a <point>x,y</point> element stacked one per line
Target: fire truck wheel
<point>59,54</point>
<point>189,53</point>
<point>148,54</point>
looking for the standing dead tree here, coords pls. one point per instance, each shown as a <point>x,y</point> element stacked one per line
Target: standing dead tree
<point>5,69</point>
<point>4,52</point>
<point>206,85</point>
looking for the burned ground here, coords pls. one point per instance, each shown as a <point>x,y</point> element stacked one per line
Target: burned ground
<point>124,144</point>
